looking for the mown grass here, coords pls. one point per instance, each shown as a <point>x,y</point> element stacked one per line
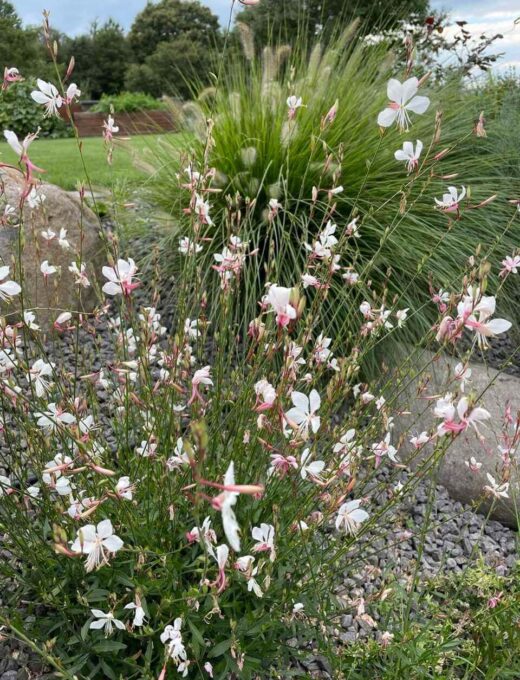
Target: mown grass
<point>63,165</point>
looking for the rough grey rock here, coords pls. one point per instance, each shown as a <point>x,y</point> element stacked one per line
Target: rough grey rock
<point>58,211</point>
<point>497,390</point>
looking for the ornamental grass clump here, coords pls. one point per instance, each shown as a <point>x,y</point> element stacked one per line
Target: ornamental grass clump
<point>296,135</point>
<point>179,499</point>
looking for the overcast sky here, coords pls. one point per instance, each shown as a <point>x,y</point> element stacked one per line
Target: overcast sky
<point>73,17</point>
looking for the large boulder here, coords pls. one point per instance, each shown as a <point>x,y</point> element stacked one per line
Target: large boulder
<point>56,211</point>
<point>498,390</point>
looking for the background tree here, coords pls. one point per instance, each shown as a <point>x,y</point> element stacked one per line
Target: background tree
<point>294,20</point>
<point>176,68</point>
<point>169,20</point>
<point>20,46</point>
<point>102,58</point>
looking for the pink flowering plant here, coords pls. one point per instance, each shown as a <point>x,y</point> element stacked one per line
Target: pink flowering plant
<point>181,505</point>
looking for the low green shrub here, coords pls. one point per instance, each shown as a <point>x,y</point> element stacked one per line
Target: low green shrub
<point>127,102</point>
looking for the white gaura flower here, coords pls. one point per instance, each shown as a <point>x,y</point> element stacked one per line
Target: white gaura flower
<point>278,297</point>
<point>73,92</point>
<point>48,95</point>
<point>62,240</point>
<point>35,199</point>
<point>39,376</point>
<point>189,247</point>
<point>81,279</point>
<point>450,201</point>
<point>409,155</point>
<point>293,104</point>
<point>106,621</point>
<point>308,468</point>
<point>303,414</point>
<point>139,613</point>
<point>47,269</point>
<point>264,537</point>
<point>29,320</point>
<point>51,419</point>
<point>202,209</point>
<point>403,99</point>
<point>226,501</point>
<point>125,488</point>
<point>495,489</point>
<point>97,542</point>
<point>120,278</point>
<point>8,289</point>
<point>5,485</point>
<point>171,637</point>
<point>350,516</point>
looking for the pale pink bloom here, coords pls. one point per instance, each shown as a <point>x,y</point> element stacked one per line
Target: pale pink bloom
<point>73,92</point>
<point>264,537</point>
<point>510,265</point>
<point>207,666</point>
<point>494,600</point>
<point>309,468</point>
<point>109,129</point>
<point>384,448</point>
<point>120,278</point>
<point>380,402</point>
<point>180,458</point>
<point>206,533</point>
<point>53,418</point>
<point>293,104</point>
<point>265,395</point>
<point>190,328</point>
<point>8,289</point>
<point>188,247</point>
<point>445,409</point>
<point>48,234</point>
<point>124,488</point>
<point>202,209</point>
<point>106,621</point>
<point>495,489</point>
<point>147,449</point>
<point>401,315</point>
<point>403,99</point>
<point>366,309</point>
<point>39,376</point>
<point>282,464</point>
<point>274,206</point>
<point>303,414</point>
<point>11,75</point>
<point>350,516</point>
<point>62,239</point>
<point>97,542</point>
<point>81,279</point>
<point>200,377</point>
<point>52,474</point>
<point>462,374</point>
<point>48,95</point>
<point>62,318</point>
<point>309,280</point>
<point>221,556</point>
<point>386,638</point>
<point>171,638</point>
<point>278,297</point>
<point>225,502</point>
<point>47,269</point>
<point>323,246</point>
<point>331,114</point>
<point>477,317</point>
<point>29,320</point>
<point>451,200</point>
<point>139,613</point>
<point>472,464</point>
<point>366,398</point>
<point>35,199</point>
<point>420,439</point>
<point>351,277</point>
<point>21,149</point>
<point>441,298</point>
<point>410,155</point>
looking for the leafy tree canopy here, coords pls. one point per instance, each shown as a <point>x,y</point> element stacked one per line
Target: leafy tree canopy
<point>292,20</point>
<point>169,20</point>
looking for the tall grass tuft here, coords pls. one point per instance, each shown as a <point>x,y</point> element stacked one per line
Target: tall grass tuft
<point>261,155</point>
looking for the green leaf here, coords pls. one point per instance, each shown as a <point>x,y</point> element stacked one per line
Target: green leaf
<point>220,649</point>
<point>109,646</point>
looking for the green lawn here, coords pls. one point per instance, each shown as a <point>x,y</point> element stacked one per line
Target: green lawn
<point>61,160</point>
